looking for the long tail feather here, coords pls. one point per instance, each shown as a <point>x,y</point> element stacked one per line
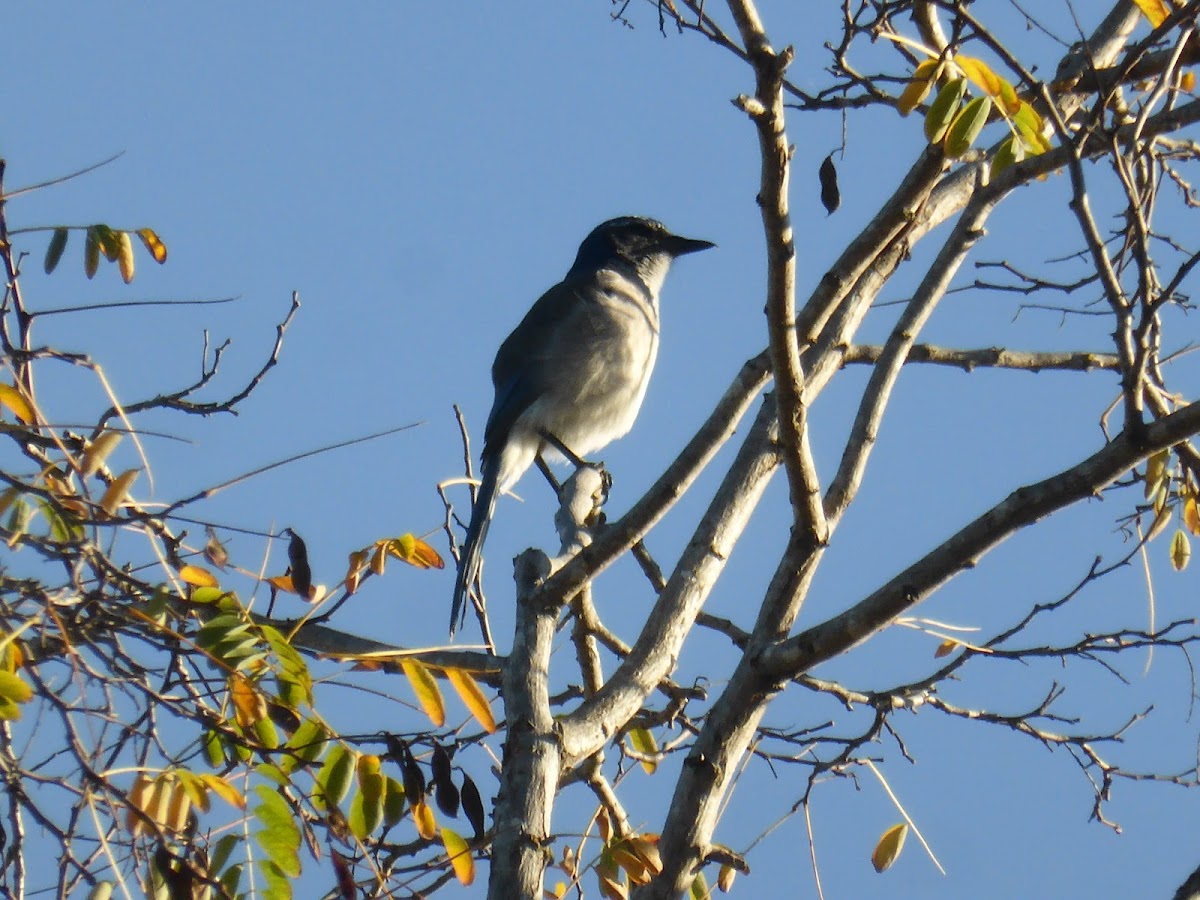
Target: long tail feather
<point>481,518</point>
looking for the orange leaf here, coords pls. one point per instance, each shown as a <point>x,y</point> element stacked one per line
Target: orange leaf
<point>282,582</point>
<point>1191,516</point>
<point>945,648</point>
<point>379,558</point>
<point>154,244</point>
<point>460,856</point>
<point>472,696</point>
<point>197,576</point>
<point>415,552</point>
<point>358,559</point>
<point>249,706</point>
<point>426,689</point>
<point>725,878</point>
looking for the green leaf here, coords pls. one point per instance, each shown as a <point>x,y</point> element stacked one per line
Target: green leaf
<point>272,772</point>
<point>214,749</point>
<point>54,252</point>
<point>966,126</point>
<point>279,836</point>
<point>943,109</point>
<point>307,745</point>
<point>91,254</point>
<point>333,781</point>
<point>393,802</point>
<point>222,850</point>
<point>1009,152</point>
<point>13,688</point>
<point>231,878</point>
<point>277,886</point>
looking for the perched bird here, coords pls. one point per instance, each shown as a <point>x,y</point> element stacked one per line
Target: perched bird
<point>572,375</point>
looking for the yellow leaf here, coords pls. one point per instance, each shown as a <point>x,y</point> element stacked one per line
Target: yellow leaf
<point>195,788</point>
<point>889,847</point>
<point>223,789</point>
<point>141,798</point>
<point>1181,551</point>
<point>1031,127</point>
<point>117,491</point>
<point>1156,470</point>
<point>98,451</point>
<point>249,706</point>
<point>1191,516</point>
<point>426,689</point>
<point>424,820</point>
<point>1187,81</point>
<point>13,399</point>
<point>1008,99</point>
<point>643,742</point>
<point>197,576</point>
<point>945,648</point>
<point>179,806</point>
<point>918,87</point>
<point>125,256</point>
<point>980,74</point>
<point>1161,520</point>
<point>1154,10</point>
<point>154,244</point>
<point>472,696</point>
<point>460,856</point>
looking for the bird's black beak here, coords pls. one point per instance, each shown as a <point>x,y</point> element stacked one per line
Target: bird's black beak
<point>679,246</point>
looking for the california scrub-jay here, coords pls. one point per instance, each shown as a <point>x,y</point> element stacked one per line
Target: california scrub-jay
<point>571,376</point>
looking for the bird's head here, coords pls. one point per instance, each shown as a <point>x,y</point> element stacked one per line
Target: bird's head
<point>644,243</point>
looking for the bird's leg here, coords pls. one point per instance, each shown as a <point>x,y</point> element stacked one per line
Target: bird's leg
<point>552,439</point>
<point>544,468</point>
<point>576,460</point>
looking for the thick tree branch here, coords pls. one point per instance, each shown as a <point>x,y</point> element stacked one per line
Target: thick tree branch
<point>962,550</point>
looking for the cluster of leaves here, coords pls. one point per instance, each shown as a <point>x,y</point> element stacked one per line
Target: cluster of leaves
<point>955,122</point>
<point>112,636</point>
<point>115,245</point>
<point>1172,489</point>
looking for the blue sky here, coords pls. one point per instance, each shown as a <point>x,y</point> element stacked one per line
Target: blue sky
<point>420,173</point>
